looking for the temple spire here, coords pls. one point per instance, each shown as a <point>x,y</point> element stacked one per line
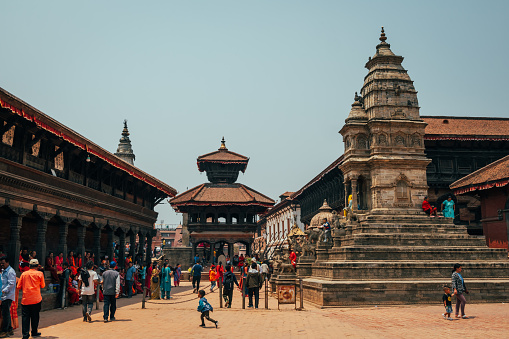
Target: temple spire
<point>223,145</point>
<point>382,35</point>
<point>124,149</point>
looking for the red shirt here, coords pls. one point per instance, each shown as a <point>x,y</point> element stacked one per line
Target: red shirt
<point>31,283</point>
<point>425,205</point>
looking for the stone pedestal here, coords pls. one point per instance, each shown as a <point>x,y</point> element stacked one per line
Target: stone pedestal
<point>322,251</point>
<point>179,255</point>
<point>286,279</point>
<point>304,266</point>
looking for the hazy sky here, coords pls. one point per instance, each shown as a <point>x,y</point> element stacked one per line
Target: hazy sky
<point>275,78</point>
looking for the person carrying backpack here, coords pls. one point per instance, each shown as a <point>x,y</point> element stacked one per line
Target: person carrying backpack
<point>228,281</point>
<point>87,280</point>
<point>204,307</point>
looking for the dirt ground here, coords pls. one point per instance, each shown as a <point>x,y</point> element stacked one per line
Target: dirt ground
<point>178,318</point>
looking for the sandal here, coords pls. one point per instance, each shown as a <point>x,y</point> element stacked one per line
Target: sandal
<point>464,317</point>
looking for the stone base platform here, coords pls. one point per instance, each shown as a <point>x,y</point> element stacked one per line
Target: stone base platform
<point>403,259</point>
<point>398,292</point>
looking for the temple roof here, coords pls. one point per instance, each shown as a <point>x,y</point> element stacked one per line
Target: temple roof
<point>494,174</point>
<point>125,150</point>
<point>47,123</point>
<point>222,156</point>
<point>221,194</point>
<point>466,128</point>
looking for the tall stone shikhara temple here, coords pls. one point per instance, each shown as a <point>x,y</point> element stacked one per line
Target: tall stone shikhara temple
<point>392,252</point>
<point>125,150</point>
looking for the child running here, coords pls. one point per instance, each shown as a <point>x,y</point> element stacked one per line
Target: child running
<point>204,307</point>
<point>446,298</point>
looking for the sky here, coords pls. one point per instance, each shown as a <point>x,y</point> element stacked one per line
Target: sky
<point>275,78</point>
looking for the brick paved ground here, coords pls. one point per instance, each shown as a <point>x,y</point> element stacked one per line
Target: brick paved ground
<point>178,317</point>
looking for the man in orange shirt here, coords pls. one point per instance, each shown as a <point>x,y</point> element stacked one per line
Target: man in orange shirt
<point>31,283</point>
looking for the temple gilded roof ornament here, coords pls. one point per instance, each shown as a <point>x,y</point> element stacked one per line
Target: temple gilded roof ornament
<point>223,145</point>
<point>382,35</point>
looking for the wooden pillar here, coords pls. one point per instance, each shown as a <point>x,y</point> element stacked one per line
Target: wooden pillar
<point>42,226</point>
<point>82,230</point>
<point>97,244</point>
<point>211,249</point>
<point>121,249</point>
<point>132,248</point>
<point>14,241</point>
<point>148,258</point>
<point>64,228</point>
<point>109,246</point>
<point>141,247</point>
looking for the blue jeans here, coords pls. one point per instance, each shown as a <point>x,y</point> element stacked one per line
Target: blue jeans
<point>212,284</point>
<point>110,306</point>
<point>130,288</point>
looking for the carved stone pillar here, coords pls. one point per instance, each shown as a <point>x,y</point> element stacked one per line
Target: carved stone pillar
<point>121,249</point>
<point>82,230</point>
<point>64,228</point>
<point>14,242</point>
<point>132,241</point>
<point>354,194</point>
<point>148,258</point>
<point>40,247</point>
<point>97,245</point>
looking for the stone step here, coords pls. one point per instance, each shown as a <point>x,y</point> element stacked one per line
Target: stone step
<point>405,218</point>
<point>397,292</point>
<point>414,239</point>
<point>417,253</point>
<point>410,228</point>
<point>373,270</point>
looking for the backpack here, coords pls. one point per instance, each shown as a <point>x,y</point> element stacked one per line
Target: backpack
<point>228,281</point>
<point>84,276</point>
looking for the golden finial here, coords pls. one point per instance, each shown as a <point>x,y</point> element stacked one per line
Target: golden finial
<point>223,145</point>
<point>382,35</point>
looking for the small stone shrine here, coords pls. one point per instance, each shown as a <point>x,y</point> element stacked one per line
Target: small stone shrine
<point>387,251</point>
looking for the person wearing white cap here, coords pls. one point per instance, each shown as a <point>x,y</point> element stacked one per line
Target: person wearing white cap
<point>30,283</point>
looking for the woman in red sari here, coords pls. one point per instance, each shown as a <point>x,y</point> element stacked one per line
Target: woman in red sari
<point>79,261</point>
<point>50,266</point>
<point>59,261</point>
<point>14,309</point>
<point>74,297</point>
<point>24,260</point>
<point>148,276</point>
<point>72,263</point>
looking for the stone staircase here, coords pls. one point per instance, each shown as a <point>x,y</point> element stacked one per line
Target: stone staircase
<point>404,260</point>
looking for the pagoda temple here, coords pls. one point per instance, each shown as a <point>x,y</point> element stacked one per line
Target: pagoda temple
<point>221,212</point>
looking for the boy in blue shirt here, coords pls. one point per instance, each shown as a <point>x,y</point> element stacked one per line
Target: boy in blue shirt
<point>204,307</point>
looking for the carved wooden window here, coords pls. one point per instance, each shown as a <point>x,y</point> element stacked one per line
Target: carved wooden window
<point>59,160</point>
<point>402,190</point>
<point>36,147</point>
<point>8,137</point>
<point>446,165</point>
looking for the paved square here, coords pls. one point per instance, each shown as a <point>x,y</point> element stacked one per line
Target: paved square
<point>178,318</point>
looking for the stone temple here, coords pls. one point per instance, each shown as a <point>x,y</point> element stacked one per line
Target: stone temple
<point>392,253</point>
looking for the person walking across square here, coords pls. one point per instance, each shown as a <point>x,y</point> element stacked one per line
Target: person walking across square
<point>111,291</point>
<point>8,296</point>
<point>212,277</point>
<point>87,280</point>
<point>30,283</point>
<point>204,307</point>
<point>196,272</point>
<point>228,281</point>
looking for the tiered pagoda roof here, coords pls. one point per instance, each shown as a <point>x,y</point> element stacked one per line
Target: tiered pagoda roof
<point>222,168</point>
